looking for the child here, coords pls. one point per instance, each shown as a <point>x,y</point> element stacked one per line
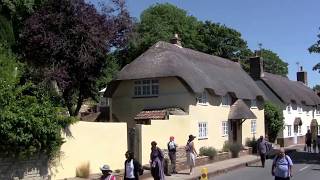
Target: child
<point>314,146</point>
<point>106,173</point>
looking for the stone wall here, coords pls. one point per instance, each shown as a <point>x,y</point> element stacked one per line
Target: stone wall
<point>31,169</point>
<point>284,142</point>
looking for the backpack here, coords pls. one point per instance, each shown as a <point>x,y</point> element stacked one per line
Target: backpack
<point>278,157</point>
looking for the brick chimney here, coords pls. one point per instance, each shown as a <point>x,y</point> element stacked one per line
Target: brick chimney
<point>176,40</point>
<point>302,76</point>
<point>256,67</point>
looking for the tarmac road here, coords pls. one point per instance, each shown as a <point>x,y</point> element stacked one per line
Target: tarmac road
<point>306,167</point>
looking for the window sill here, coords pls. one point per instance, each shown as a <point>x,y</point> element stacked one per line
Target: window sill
<point>254,107</point>
<point>203,104</point>
<point>253,132</point>
<point>225,105</point>
<point>141,97</point>
<point>203,138</point>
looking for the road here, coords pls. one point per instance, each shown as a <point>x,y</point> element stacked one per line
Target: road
<point>306,167</point>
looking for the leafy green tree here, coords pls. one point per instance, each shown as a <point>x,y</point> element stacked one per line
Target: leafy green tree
<point>273,63</point>
<point>30,123</point>
<point>315,48</point>
<point>68,41</point>
<point>273,120</point>
<point>316,88</point>
<point>162,21</point>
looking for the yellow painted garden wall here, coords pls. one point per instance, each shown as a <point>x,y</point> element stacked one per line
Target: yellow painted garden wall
<point>93,142</point>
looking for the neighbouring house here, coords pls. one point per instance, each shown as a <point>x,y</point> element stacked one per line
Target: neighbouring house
<point>186,92</point>
<point>299,103</point>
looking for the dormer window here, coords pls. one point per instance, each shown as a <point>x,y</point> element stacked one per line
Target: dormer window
<point>203,98</point>
<point>289,109</point>
<point>226,100</point>
<point>146,87</point>
<point>253,103</point>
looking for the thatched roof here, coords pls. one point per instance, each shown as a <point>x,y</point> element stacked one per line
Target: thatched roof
<point>291,91</point>
<point>198,70</point>
<point>240,110</point>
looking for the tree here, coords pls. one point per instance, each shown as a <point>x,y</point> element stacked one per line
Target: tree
<point>30,123</point>
<point>315,48</point>
<point>68,41</point>
<point>273,120</point>
<point>162,21</point>
<point>273,64</point>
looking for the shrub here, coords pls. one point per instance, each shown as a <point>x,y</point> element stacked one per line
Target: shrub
<point>253,144</point>
<point>235,149</point>
<point>83,171</point>
<point>274,120</point>
<point>226,146</point>
<point>211,152</point>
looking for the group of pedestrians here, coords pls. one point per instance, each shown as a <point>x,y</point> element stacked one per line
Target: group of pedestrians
<point>133,169</point>
<point>315,143</point>
<point>282,163</point>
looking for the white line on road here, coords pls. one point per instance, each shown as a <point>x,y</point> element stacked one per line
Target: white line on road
<point>304,168</point>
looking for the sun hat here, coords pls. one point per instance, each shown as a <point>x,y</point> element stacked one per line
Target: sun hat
<point>191,136</point>
<point>105,168</point>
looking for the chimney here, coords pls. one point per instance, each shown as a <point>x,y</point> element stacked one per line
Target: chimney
<point>256,67</point>
<point>176,40</point>
<point>302,76</point>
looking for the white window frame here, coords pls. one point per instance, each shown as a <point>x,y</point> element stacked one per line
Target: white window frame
<point>203,98</point>
<point>289,108</point>
<point>299,109</point>
<point>146,88</point>
<point>289,130</point>
<point>253,126</point>
<point>254,104</point>
<point>317,112</point>
<point>299,130</point>
<point>226,100</point>
<point>308,112</point>
<point>225,128</point>
<point>203,130</point>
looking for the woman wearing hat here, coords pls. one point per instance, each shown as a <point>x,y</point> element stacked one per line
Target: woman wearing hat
<point>156,162</point>
<point>191,153</point>
<point>106,173</point>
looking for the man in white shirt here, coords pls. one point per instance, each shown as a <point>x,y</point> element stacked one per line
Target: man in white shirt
<point>172,149</point>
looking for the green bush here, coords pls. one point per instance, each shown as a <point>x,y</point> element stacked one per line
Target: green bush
<point>30,123</point>
<point>274,120</point>
<point>226,146</point>
<point>253,144</point>
<point>235,148</point>
<point>211,152</point>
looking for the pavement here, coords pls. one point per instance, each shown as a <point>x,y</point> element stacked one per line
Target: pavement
<point>222,167</point>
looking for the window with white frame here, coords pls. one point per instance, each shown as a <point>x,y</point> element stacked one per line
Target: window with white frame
<point>146,87</point>
<point>253,103</point>
<point>289,109</point>
<point>224,128</point>
<point>253,126</point>
<point>318,111</point>
<point>203,98</point>
<point>299,130</point>
<point>226,100</point>
<point>308,112</point>
<point>299,108</point>
<point>203,130</point>
<point>289,130</point>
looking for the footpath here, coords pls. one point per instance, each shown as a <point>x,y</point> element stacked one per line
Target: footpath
<point>220,167</point>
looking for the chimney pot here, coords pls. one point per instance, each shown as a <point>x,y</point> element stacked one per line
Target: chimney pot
<point>176,40</point>
<point>302,76</point>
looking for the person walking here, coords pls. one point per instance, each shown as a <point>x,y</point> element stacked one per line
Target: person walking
<point>262,149</point>
<point>156,162</point>
<point>282,166</point>
<point>172,149</point>
<point>308,140</point>
<point>191,153</point>
<point>106,173</point>
<point>132,168</point>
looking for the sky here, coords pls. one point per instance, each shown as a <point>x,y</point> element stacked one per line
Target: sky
<point>287,27</point>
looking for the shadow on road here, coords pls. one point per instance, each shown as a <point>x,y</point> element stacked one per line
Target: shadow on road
<point>305,157</point>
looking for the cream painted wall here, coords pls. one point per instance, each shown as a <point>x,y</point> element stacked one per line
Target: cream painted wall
<point>172,93</point>
<point>93,142</point>
<point>260,126</point>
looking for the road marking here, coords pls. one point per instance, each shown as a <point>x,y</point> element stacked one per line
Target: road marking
<point>304,168</point>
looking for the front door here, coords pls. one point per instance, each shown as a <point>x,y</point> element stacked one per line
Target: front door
<point>234,131</point>
<point>235,135</point>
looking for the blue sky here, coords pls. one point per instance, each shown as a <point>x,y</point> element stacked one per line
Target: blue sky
<point>287,27</point>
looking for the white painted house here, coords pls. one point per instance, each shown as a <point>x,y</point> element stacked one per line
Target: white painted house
<point>299,103</point>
